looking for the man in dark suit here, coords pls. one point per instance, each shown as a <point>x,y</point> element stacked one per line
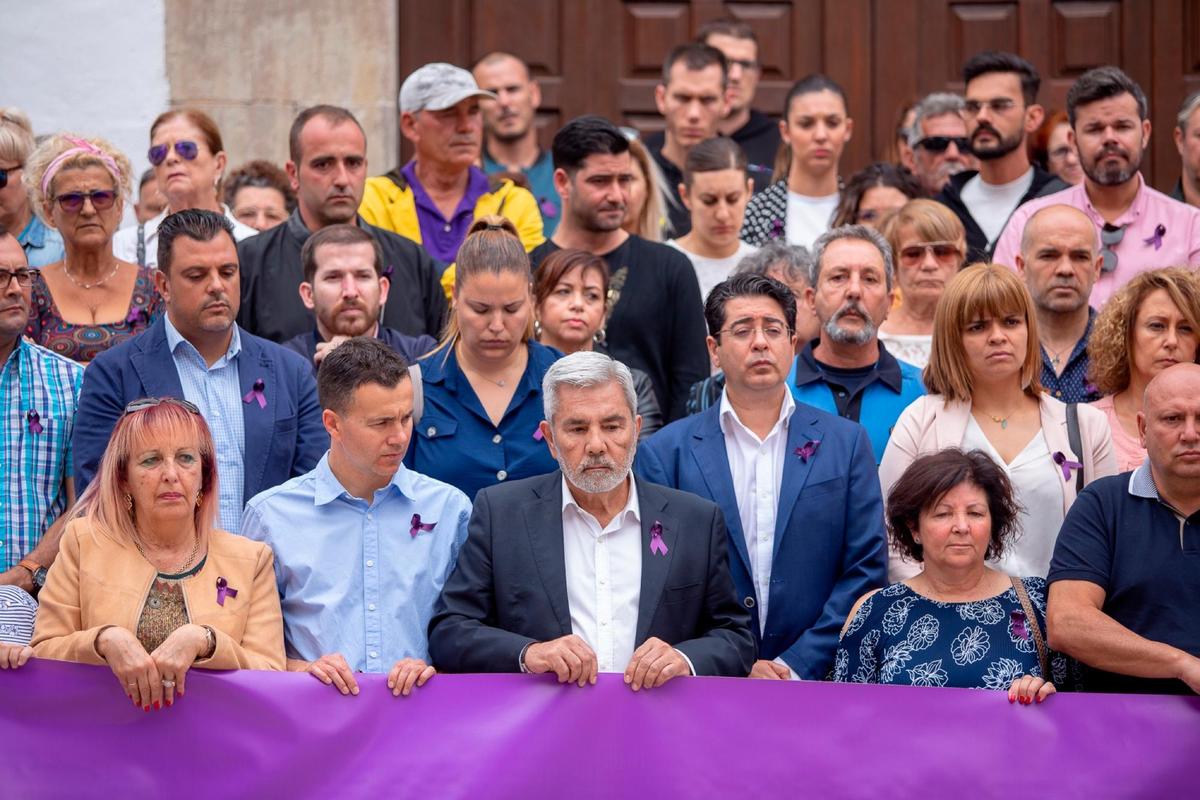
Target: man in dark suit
<point>259,400</point>
<point>798,486</point>
<point>588,570</point>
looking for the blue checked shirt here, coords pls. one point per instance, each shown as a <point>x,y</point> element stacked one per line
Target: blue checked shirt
<point>353,579</point>
<point>34,466</point>
<point>215,391</point>
<point>1073,385</point>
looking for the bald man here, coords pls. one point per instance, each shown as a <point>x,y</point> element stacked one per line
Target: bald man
<point>1124,584</point>
<point>1060,262</point>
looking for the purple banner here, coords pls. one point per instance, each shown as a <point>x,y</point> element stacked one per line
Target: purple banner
<point>67,731</point>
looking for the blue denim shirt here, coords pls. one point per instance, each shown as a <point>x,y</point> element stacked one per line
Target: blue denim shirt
<point>43,245</point>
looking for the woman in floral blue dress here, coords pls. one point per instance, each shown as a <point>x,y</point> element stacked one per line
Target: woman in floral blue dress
<point>958,622</point>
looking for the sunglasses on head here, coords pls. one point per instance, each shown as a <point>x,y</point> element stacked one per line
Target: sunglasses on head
<point>151,402</point>
<point>939,144</point>
<point>186,149</point>
<point>4,175</point>
<point>72,202</point>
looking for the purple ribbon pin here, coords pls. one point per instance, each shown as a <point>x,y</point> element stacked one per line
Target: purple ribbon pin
<point>35,421</point>
<point>1156,240</point>
<point>134,316</point>
<point>808,450</point>
<point>657,545</point>
<point>224,590</point>
<point>256,393</point>
<point>547,207</point>
<point>1018,624</point>
<point>387,272</point>
<point>776,229</point>
<point>537,434</point>
<point>1061,459</point>
<point>418,526</point>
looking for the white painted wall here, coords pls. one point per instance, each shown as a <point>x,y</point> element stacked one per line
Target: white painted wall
<point>94,67</point>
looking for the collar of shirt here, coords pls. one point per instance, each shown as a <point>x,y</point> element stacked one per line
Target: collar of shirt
<point>14,358</point>
<point>491,165</point>
<point>300,232</point>
<point>477,187</point>
<point>328,488</point>
<point>34,234</point>
<point>731,422</point>
<point>1141,482</point>
<point>632,510</point>
<point>442,367</point>
<point>175,340</point>
<point>887,368</point>
<point>1131,215</point>
<point>1080,348</point>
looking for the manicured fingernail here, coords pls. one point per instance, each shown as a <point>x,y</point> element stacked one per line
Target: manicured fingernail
<point>147,708</point>
<point>157,706</point>
<point>178,693</point>
<point>169,704</point>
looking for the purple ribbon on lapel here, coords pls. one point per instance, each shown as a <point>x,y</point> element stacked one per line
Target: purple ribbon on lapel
<point>1017,623</point>
<point>418,526</point>
<point>776,229</point>
<point>657,545</point>
<point>35,421</point>
<point>808,450</point>
<point>134,316</point>
<point>537,434</point>
<point>547,207</point>
<point>1067,465</point>
<point>256,393</point>
<point>224,590</point>
<point>1160,230</point>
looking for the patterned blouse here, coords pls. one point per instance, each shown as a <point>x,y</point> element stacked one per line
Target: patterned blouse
<point>165,608</point>
<point>901,637</point>
<point>83,343</point>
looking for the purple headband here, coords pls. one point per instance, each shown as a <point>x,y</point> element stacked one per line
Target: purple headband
<point>82,147</point>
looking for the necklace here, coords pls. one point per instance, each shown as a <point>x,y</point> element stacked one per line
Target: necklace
<point>187,562</point>
<point>1002,420</point>
<point>85,286</point>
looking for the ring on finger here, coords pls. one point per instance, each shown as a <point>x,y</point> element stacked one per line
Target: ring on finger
<point>168,684</point>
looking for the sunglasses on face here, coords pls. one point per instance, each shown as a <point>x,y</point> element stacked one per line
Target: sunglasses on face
<point>151,402</point>
<point>942,251</point>
<point>4,175</point>
<point>1110,236</point>
<point>72,202</point>
<point>939,144</point>
<point>186,149</point>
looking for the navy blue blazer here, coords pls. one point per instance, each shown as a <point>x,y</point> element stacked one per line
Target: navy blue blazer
<point>830,544</point>
<point>509,587</point>
<point>285,439</point>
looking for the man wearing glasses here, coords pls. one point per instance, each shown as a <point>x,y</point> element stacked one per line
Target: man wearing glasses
<point>40,393</point>
<point>756,132</point>
<point>798,487</point>
<point>939,142</point>
<point>1139,228</point>
<point>1001,111</point>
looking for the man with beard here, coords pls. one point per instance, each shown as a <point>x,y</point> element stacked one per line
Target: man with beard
<point>848,371</point>
<point>587,570</point>
<point>510,136</point>
<point>806,534</point>
<point>1139,228</point>
<point>655,317</point>
<point>328,168</point>
<point>344,286</point>
<point>1060,262</point>
<point>259,399</point>
<point>938,138</point>
<point>1001,111</point>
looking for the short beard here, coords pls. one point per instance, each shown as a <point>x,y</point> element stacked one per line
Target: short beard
<point>1113,176</point>
<point>1002,147</point>
<point>343,330</point>
<point>509,138</point>
<point>593,484</point>
<point>839,335</point>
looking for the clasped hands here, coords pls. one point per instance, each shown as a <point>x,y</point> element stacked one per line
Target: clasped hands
<point>152,680</point>
<point>573,661</point>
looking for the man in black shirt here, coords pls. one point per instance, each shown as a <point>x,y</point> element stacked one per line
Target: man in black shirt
<point>328,169</point>
<point>655,314</point>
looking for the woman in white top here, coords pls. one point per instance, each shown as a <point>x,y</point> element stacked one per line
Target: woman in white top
<point>929,246</point>
<point>188,160</point>
<point>985,395</point>
<point>715,189</point>
<point>800,204</point>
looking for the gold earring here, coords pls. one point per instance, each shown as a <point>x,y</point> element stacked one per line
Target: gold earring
<point>128,502</point>
<point>199,498</point>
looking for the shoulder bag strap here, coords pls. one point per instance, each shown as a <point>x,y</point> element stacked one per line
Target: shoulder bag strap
<point>1076,442</point>
<point>1035,629</point>
<point>141,245</point>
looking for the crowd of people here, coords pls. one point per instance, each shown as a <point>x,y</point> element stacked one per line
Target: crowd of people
<point>683,404</point>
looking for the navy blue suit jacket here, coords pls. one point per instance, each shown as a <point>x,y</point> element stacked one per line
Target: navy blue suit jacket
<point>830,544</point>
<point>285,439</point>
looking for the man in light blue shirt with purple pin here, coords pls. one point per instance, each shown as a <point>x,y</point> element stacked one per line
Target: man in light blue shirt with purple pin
<point>363,545</point>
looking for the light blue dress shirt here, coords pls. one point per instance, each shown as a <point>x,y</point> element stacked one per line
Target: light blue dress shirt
<point>43,245</point>
<point>353,577</point>
<point>216,392</point>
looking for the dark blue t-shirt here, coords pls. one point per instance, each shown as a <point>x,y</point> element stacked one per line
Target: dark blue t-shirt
<point>1121,537</point>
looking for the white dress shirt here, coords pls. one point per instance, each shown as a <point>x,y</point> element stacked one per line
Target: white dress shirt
<point>604,577</point>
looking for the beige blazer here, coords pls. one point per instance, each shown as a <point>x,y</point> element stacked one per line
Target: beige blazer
<point>931,424</point>
<point>97,581</point>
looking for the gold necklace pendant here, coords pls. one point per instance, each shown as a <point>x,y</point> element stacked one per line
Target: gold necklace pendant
<point>1002,420</point>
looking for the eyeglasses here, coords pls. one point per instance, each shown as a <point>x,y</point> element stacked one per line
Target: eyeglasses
<point>744,63</point>
<point>1060,153</point>
<point>72,202</point>
<point>4,175</point>
<point>998,105</point>
<point>151,402</point>
<point>914,254</point>
<point>772,330</point>
<point>939,144</point>
<point>187,150</point>
<point>1110,236</point>
<point>22,275</point>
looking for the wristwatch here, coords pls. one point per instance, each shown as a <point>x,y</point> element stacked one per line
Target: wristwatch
<point>36,570</point>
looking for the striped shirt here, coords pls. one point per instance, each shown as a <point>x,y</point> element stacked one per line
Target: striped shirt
<point>215,391</point>
<point>40,392</point>
<point>17,610</point>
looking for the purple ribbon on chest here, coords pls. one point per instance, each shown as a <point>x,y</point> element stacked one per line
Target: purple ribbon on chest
<point>808,450</point>
<point>1160,231</point>
<point>35,421</point>
<point>418,526</point>
<point>256,393</point>
<point>224,590</point>
<point>657,545</point>
<point>1065,464</point>
<point>1017,623</point>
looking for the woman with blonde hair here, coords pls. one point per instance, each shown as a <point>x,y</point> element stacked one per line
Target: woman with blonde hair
<point>646,212</point>
<point>929,246</point>
<point>42,244</point>
<point>1151,323</point>
<point>144,582</point>
<point>984,394</point>
<point>483,383</point>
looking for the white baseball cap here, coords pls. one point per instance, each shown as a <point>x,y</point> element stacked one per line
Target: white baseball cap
<point>438,86</point>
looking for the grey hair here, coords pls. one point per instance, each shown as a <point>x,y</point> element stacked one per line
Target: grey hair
<point>1186,110</point>
<point>793,260</point>
<point>859,232</point>
<point>933,105</point>
<point>586,368</point>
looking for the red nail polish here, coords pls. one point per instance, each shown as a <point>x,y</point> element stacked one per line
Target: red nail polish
<point>157,706</point>
<point>169,704</point>
<point>147,708</point>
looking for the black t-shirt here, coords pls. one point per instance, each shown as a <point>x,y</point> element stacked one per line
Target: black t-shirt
<point>657,320</point>
<point>847,384</point>
<point>679,217</point>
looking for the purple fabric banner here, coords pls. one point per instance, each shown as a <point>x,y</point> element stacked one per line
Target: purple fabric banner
<point>66,730</point>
